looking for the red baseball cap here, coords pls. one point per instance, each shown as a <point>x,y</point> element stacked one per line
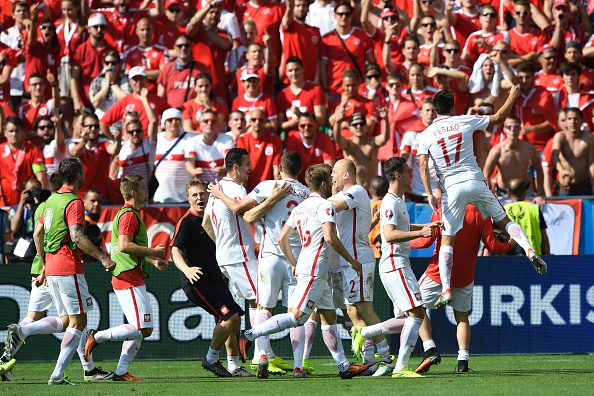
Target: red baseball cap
<point>386,12</point>
<point>560,3</point>
<point>169,3</point>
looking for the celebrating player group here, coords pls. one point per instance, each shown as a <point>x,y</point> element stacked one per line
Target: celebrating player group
<point>307,231</point>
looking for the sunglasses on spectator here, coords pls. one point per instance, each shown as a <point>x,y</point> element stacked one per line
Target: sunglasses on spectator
<point>428,2</point>
<point>395,84</point>
<point>307,125</point>
<point>357,124</point>
<point>490,14</point>
<point>92,126</point>
<point>512,127</point>
<point>503,51</point>
<point>183,45</point>
<point>391,18</point>
<point>522,13</point>
<point>431,24</point>
<point>134,131</point>
<point>98,27</point>
<point>132,113</point>
<point>452,50</point>
<point>370,76</point>
<point>43,127</point>
<point>209,120</point>
<point>111,63</point>
<point>346,14</point>
<point>45,27</point>
<point>174,120</point>
<point>174,10</point>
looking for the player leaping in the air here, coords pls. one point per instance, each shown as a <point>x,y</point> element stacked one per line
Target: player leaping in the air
<point>449,141</point>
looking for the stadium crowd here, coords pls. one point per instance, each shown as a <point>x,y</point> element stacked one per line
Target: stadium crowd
<point>168,90</point>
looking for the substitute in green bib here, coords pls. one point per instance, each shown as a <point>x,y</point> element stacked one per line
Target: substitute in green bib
<point>130,251</point>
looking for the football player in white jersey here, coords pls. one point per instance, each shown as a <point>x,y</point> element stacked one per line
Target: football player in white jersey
<point>395,269</point>
<point>314,221</point>
<point>449,142</point>
<point>353,221</point>
<point>274,271</point>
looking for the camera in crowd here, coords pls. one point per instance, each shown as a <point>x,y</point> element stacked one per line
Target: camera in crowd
<point>40,194</point>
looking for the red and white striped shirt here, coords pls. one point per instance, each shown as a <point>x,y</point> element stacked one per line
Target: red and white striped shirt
<point>136,161</point>
<point>210,156</point>
<point>171,173</point>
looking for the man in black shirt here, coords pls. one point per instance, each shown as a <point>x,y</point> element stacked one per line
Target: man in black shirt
<point>193,253</point>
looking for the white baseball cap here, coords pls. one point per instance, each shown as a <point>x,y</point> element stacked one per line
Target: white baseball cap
<point>169,114</point>
<point>137,71</point>
<point>96,19</point>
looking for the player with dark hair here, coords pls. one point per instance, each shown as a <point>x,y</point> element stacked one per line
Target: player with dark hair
<point>131,253</point>
<point>194,254</point>
<point>449,141</point>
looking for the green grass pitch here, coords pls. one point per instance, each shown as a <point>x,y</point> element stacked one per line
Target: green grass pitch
<point>492,375</point>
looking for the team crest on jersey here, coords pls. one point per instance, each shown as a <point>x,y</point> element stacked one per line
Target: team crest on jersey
<point>310,304</point>
<point>357,42</point>
<point>48,215</point>
<point>224,310</point>
<point>43,111</point>
<point>418,296</point>
<point>317,152</point>
<point>268,151</point>
<point>330,211</point>
<point>389,214</point>
<point>314,39</point>
<point>147,318</point>
<point>89,302</point>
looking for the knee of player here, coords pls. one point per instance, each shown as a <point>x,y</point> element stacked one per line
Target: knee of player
<point>146,332</point>
<point>233,323</point>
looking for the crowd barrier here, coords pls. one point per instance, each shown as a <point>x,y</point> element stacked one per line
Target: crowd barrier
<point>515,310</point>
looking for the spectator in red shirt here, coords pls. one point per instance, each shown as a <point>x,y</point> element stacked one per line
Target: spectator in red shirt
<point>254,99</point>
<point>410,49</point>
<point>42,54</point>
<point>37,106</point>
<point>205,99</point>
<point>20,160</point>
<point>178,77</point>
<point>565,27</point>
<point>134,102</point>
<point>547,76</point>
<point>573,53</point>
<point>535,108</point>
<point>372,88</point>
<point>351,102</point>
<point>299,40</point>
<point>267,15</point>
<point>211,44</point>
<point>299,97</point>
<point>335,58</point>
<point>236,124</point>
<point>262,63</point>
<point>8,61</point>
<point>465,20</point>
<point>313,146</point>
<point>482,41</point>
<point>430,35</point>
<point>265,150</point>
<point>95,152</point>
<point>170,25</point>
<point>122,22</point>
<point>524,40</point>
<point>146,54</point>
<point>417,85</point>
<point>452,59</point>
<point>71,34</point>
<point>573,94</point>
<point>87,61</point>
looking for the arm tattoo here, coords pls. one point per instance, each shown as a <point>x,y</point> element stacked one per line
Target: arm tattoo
<point>76,233</point>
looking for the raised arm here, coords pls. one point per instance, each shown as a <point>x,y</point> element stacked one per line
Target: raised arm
<point>505,110</point>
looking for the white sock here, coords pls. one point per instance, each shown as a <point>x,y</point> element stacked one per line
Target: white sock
<point>129,351</point>
<point>428,345</point>
<point>125,332</point>
<point>390,326</point>
<point>26,320</point>
<point>262,344</point>
<point>368,352</point>
<point>67,348</point>
<point>48,325</point>
<point>463,354</point>
<point>334,344</point>
<point>212,356</point>
<point>273,325</point>
<point>383,349</point>
<point>446,260</point>
<point>310,332</point>
<point>298,344</point>
<point>515,231</point>
<point>232,363</point>
<point>408,340</point>
<point>253,317</point>
<point>81,353</point>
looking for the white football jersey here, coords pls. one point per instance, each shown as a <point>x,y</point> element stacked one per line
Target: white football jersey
<point>449,142</point>
<point>394,212</point>
<point>171,172</point>
<point>234,240</point>
<point>210,156</point>
<point>354,225</point>
<point>276,218</point>
<point>307,218</point>
<point>52,157</point>
<point>333,257</point>
<point>410,144</point>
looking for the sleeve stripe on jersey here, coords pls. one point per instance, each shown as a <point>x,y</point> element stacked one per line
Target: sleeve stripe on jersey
<point>245,257</point>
